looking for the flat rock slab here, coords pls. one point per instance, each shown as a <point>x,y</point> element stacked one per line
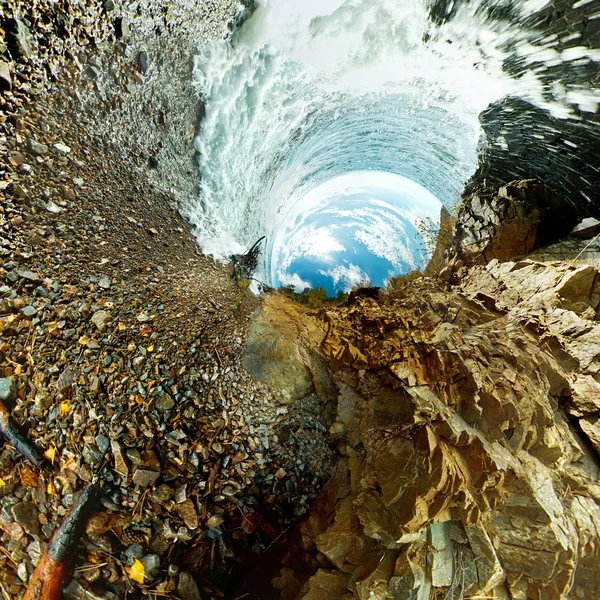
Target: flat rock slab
<point>587,229</point>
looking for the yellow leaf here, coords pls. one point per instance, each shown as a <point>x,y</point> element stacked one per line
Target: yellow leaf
<point>122,327</point>
<point>50,489</point>
<point>84,340</point>
<point>150,348</point>
<point>2,482</point>
<point>136,572</point>
<point>51,453</point>
<point>18,370</point>
<point>64,408</point>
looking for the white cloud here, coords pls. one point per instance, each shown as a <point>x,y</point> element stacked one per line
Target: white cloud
<point>293,279</point>
<point>348,276</point>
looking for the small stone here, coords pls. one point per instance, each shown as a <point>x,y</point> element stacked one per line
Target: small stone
<point>26,515</point>
<point>109,6</point>
<point>104,283</point>
<point>21,36</point>
<point>29,311</point>
<point>5,77</point>
<point>151,564</point>
<point>100,318</point>
<point>78,182</point>
<point>145,478</point>
<point>165,402</point>
<point>215,521</point>
<point>29,276</point>
<point>121,466</point>
<point>53,208</point>
<point>62,149</point>
<point>187,511</point>
<point>8,389</point>
<point>36,148</point>
<point>143,62</point>
<point>66,379</point>
<point>134,551</point>
<point>102,442</point>
<point>187,588</point>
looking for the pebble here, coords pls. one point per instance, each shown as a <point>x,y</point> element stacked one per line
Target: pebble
<point>145,478</point>
<point>165,402</point>
<point>36,148</point>
<point>26,515</point>
<point>62,149</point>
<point>104,283</point>
<point>100,318</point>
<point>151,564</point>
<point>8,389</point>
<point>187,588</point>
<point>29,311</point>
<point>5,77</point>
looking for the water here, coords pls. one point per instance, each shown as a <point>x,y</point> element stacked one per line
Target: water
<point>337,127</point>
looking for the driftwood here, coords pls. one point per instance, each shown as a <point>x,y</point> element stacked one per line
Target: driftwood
<point>244,265</point>
<point>15,437</point>
<point>55,568</point>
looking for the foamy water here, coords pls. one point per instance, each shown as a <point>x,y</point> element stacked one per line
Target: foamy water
<point>313,100</point>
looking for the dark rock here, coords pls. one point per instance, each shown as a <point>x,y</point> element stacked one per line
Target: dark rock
<point>36,148</point>
<point>587,229</point>
<point>151,564</point>
<point>143,62</point>
<point>187,588</point>
<point>19,39</point>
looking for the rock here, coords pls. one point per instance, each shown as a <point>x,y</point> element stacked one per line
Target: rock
<point>576,286</point>
<point>151,564</point>
<point>121,466</point>
<point>100,318</point>
<point>165,402</point>
<point>62,149</point>
<point>35,148</point>
<point>53,208</point>
<point>26,515</point>
<point>144,477</point>
<point>187,511</point>
<point>103,443</point>
<point>66,380</point>
<point>29,311</point>
<point>187,588</point>
<point>21,35</point>
<point>29,276</point>
<point>587,229</point>
<point>5,77</point>
<point>8,389</point>
<point>143,62</point>
<point>104,283</point>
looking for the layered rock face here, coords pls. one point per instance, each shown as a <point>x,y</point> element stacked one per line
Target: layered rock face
<point>467,424</point>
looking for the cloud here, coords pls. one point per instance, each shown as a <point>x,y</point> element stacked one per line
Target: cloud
<point>348,276</point>
<point>292,279</point>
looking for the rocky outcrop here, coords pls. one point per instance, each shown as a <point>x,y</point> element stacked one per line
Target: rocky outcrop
<point>501,224</point>
<point>467,422</point>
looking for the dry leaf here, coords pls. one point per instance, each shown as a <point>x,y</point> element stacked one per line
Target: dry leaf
<point>50,489</point>
<point>137,571</point>
<point>29,477</point>
<point>51,453</point>
<point>64,408</point>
